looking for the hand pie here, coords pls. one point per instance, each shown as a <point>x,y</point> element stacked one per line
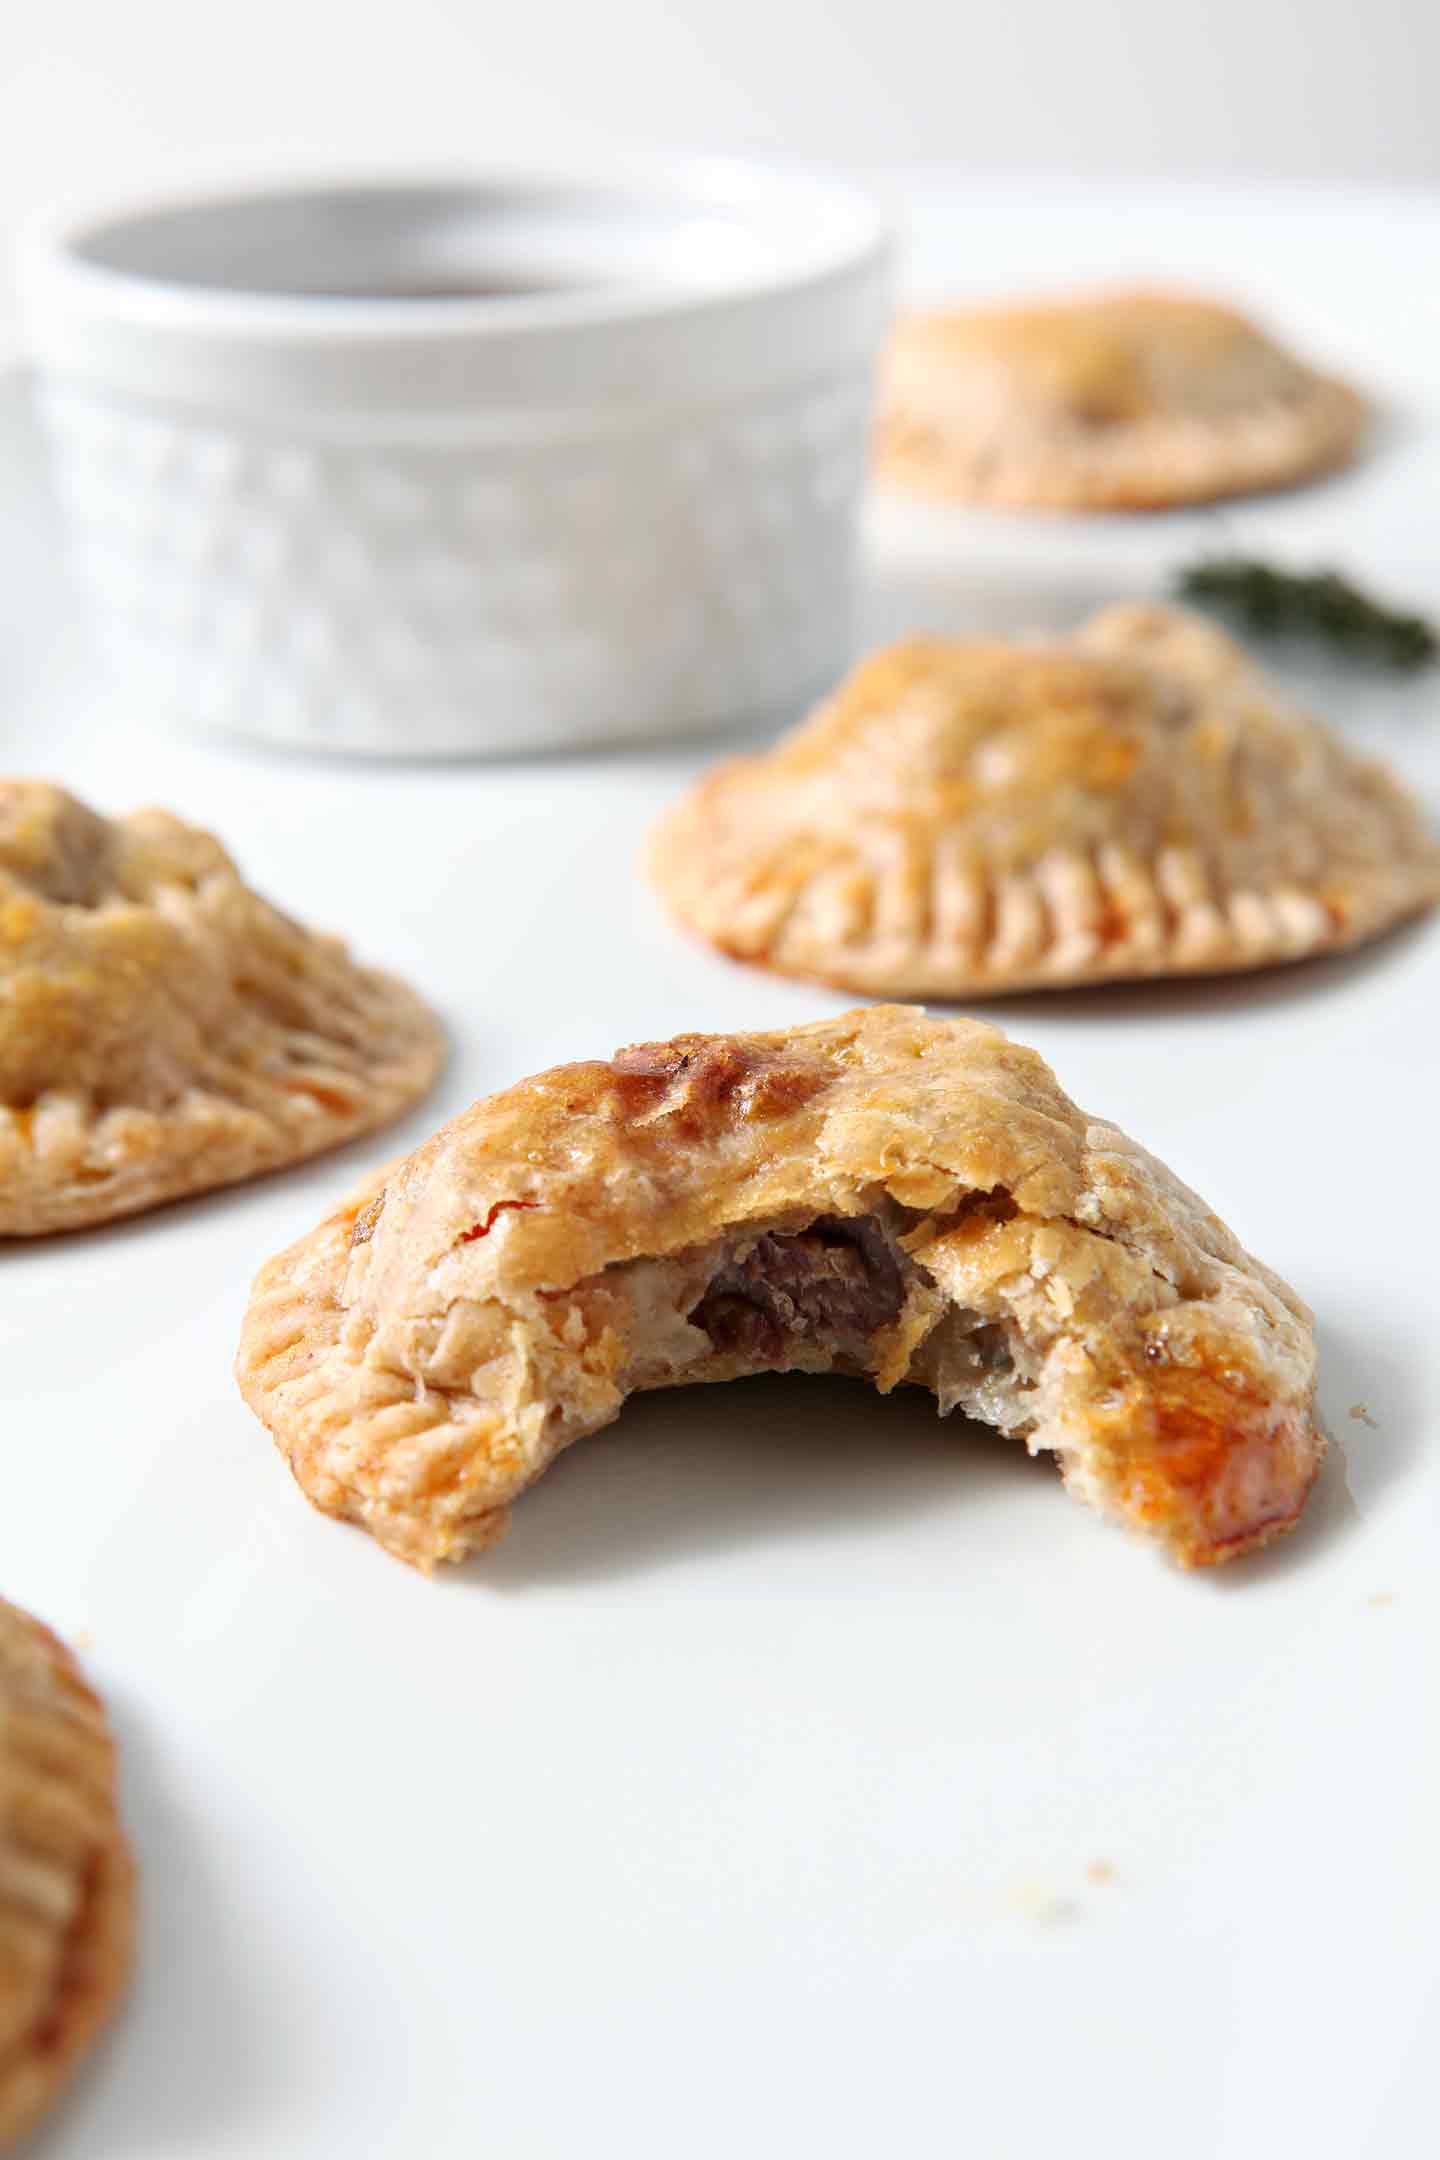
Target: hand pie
<point>66,1880</point>
<point>887,1195</point>
<point>1108,401</point>
<point>971,817</point>
<point>162,1028</point>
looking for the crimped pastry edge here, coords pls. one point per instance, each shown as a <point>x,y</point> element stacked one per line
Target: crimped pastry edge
<point>101,1949</point>
<point>1174,923</point>
<point>63,1167</point>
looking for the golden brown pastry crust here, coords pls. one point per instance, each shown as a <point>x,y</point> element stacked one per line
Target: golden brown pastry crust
<point>974,817</point>
<point>1106,401</point>
<point>163,1029</point>
<point>886,1194</point>
<point>66,1876</point>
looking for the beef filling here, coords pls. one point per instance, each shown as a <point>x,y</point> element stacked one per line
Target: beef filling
<point>833,1285</point>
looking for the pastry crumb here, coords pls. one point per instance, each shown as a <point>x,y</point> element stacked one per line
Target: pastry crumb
<point>1381,1597</point>
<point>1038,1902</point>
<point>1100,1871</point>
<point>1362,1416</point>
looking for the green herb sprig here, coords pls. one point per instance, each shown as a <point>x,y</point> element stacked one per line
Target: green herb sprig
<point>1317,603</point>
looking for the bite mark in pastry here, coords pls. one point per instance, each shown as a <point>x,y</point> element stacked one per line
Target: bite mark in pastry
<point>1124,400</point>
<point>66,1878</point>
<point>972,816</point>
<point>163,1029</point>
<point>887,1194</point>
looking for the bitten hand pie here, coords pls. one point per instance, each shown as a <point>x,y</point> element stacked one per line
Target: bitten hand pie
<point>1107,401</point>
<point>970,817</point>
<point>66,1879</point>
<point>162,1028</point>
<point>888,1195</point>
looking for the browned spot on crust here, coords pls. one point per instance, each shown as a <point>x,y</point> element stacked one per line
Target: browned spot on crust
<point>328,1098</point>
<point>702,1080</point>
<point>366,1221</point>
<point>1112,926</point>
<point>483,1229</point>
<point>1197,1418</point>
<point>1198,1424</point>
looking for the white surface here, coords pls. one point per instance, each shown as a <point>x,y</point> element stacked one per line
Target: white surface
<point>95,96</point>
<point>616,509</point>
<point>745,1799</point>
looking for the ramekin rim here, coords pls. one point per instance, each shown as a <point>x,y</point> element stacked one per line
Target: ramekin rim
<point>52,268</point>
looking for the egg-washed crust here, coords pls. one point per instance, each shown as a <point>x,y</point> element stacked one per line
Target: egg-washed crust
<point>1110,401</point>
<point>422,1356</point>
<point>972,817</point>
<point>66,1875</point>
<point>163,1029</point>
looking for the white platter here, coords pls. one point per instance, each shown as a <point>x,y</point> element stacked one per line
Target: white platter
<point>804,1776</point>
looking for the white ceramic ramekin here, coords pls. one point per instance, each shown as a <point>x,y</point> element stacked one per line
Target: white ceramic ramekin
<point>483,465</point>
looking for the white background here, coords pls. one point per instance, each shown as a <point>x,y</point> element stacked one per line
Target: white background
<point>95,95</point>
<point>748,1800</point>
<point>758,1796</point>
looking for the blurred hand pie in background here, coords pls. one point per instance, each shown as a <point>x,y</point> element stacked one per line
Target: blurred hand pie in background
<point>1126,400</point>
<point>163,1029</point>
<point>973,816</point>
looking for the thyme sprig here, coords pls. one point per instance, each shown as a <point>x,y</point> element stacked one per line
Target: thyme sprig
<point>1316,603</point>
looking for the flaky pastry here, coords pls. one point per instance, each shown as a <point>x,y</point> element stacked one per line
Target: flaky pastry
<point>162,1028</point>
<point>66,1878</point>
<point>888,1195</point>
<point>968,817</point>
<point>1125,400</point>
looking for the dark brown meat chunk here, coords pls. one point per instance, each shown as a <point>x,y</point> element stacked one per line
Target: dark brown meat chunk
<point>835,1284</point>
